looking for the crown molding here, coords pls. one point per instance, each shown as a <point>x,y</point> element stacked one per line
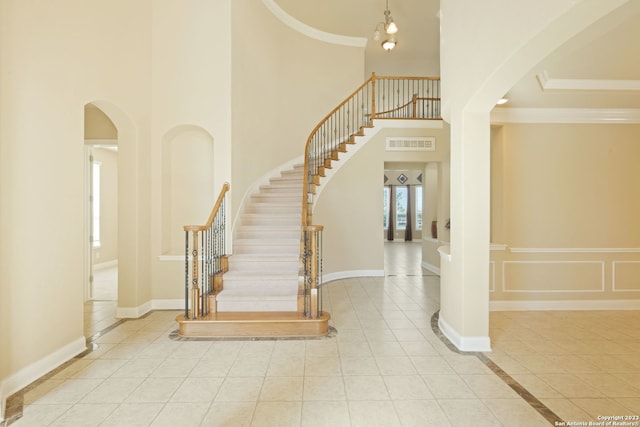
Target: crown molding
<point>566,115</point>
<point>590,85</point>
<point>309,31</point>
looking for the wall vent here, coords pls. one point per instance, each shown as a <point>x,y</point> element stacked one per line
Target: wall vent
<point>411,143</point>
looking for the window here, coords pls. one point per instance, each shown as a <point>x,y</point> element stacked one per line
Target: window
<point>418,207</point>
<point>95,203</point>
<point>385,197</point>
<point>401,208</point>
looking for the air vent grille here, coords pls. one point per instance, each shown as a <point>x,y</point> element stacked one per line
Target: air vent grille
<point>411,143</point>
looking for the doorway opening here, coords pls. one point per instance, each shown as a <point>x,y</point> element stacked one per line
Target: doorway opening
<point>101,183</point>
<point>410,207</point>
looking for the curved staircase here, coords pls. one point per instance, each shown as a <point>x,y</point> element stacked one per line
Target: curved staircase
<point>271,285</point>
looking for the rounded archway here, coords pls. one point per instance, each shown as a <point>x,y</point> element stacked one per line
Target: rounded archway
<point>188,190</point>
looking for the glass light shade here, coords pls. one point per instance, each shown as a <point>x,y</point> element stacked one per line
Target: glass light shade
<point>389,43</point>
<point>391,27</point>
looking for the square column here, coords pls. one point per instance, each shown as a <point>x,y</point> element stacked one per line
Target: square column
<point>464,280</point>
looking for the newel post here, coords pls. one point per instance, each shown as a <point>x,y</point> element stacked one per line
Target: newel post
<point>313,271</point>
<point>195,288</point>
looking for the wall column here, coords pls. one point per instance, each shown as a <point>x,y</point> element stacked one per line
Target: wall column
<point>464,281</point>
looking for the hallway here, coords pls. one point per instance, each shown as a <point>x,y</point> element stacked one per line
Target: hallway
<point>385,366</point>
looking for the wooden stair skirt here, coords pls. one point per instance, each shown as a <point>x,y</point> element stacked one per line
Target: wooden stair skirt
<point>255,324</point>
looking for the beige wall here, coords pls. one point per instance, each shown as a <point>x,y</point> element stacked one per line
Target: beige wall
<point>565,205</point>
<point>284,83</point>
<point>190,131</point>
<point>97,125</point>
<point>150,66</point>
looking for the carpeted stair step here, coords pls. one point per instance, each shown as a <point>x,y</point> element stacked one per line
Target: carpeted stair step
<point>270,219</point>
<point>264,246</point>
<point>256,300</point>
<point>272,232</point>
<point>266,262</point>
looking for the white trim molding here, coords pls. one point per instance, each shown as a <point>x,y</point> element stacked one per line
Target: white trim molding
<point>105,265</point>
<point>311,32</point>
<point>38,369</point>
<point>544,291</point>
<point>564,305</point>
<point>430,267</point>
<point>566,115</point>
<point>330,277</point>
<point>445,252</point>
<point>154,304</point>
<point>614,272</point>
<point>492,284</point>
<point>588,85</point>
<point>463,343</point>
<point>574,250</point>
<point>133,312</point>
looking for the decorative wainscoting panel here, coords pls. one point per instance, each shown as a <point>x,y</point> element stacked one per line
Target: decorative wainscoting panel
<point>626,276</point>
<point>553,276</point>
<point>564,278</point>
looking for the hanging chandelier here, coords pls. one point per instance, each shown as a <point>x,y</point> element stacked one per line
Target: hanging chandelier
<point>386,31</point>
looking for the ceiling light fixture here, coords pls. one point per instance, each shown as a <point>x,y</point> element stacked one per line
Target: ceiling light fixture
<point>389,28</point>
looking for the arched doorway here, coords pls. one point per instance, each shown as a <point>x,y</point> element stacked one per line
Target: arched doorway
<point>101,204</point>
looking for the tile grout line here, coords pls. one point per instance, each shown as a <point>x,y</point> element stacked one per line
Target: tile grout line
<point>528,397</point>
<point>15,402</point>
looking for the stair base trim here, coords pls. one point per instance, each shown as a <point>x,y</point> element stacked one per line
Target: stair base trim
<point>254,324</point>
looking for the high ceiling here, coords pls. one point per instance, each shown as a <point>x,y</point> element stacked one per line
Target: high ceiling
<point>599,68</point>
<point>418,25</point>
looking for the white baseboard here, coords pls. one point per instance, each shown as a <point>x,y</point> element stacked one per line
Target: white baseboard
<point>133,312</point>
<point>463,343</point>
<point>167,304</point>
<point>432,268</point>
<point>38,369</point>
<point>352,273</point>
<point>155,304</point>
<point>104,265</point>
<point>565,305</point>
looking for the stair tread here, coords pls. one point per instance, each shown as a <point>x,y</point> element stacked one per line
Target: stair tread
<point>267,274</point>
<point>263,257</point>
<point>263,241</point>
<point>269,294</point>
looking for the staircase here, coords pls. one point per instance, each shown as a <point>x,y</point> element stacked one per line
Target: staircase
<point>264,268</point>
<point>272,284</point>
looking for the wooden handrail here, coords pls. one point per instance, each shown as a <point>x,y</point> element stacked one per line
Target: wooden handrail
<point>211,237</point>
<point>214,211</point>
<point>372,114</point>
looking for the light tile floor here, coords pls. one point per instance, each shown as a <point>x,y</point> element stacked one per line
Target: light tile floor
<point>100,312</point>
<point>385,367</point>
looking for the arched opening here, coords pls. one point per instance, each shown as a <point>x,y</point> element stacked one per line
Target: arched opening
<point>109,141</point>
<point>188,190</point>
<point>101,202</point>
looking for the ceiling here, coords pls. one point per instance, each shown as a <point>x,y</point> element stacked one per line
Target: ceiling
<point>418,25</point>
<point>599,68</point>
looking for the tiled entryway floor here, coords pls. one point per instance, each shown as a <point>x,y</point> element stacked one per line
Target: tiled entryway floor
<point>384,367</point>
